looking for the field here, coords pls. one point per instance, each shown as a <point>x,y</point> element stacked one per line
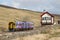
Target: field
<point>42,33</point>
<point>8,14</point>
<point>12,15</point>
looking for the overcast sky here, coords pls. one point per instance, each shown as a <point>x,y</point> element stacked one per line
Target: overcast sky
<point>52,6</point>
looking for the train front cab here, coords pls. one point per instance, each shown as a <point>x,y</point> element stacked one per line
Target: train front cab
<point>11,26</point>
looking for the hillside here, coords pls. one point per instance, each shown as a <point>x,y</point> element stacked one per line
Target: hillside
<point>10,14</point>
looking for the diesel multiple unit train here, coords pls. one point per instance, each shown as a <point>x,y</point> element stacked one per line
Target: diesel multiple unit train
<point>20,26</point>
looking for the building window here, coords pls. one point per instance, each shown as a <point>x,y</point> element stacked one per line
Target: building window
<point>46,18</point>
<point>43,18</point>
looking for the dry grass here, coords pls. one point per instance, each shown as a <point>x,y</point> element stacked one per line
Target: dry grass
<point>12,15</point>
<point>7,15</point>
<point>34,37</point>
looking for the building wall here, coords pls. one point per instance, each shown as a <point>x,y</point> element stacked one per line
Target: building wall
<point>52,20</point>
<point>46,15</point>
<point>48,20</point>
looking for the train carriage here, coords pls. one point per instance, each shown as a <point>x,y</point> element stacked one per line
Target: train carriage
<point>19,25</point>
<point>30,25</point>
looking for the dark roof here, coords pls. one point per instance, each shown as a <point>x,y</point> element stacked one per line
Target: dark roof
<point>47,13</point>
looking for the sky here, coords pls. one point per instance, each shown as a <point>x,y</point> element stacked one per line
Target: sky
<point>52,6</point>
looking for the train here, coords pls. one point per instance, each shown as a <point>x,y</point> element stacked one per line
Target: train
<point>18,26</point>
